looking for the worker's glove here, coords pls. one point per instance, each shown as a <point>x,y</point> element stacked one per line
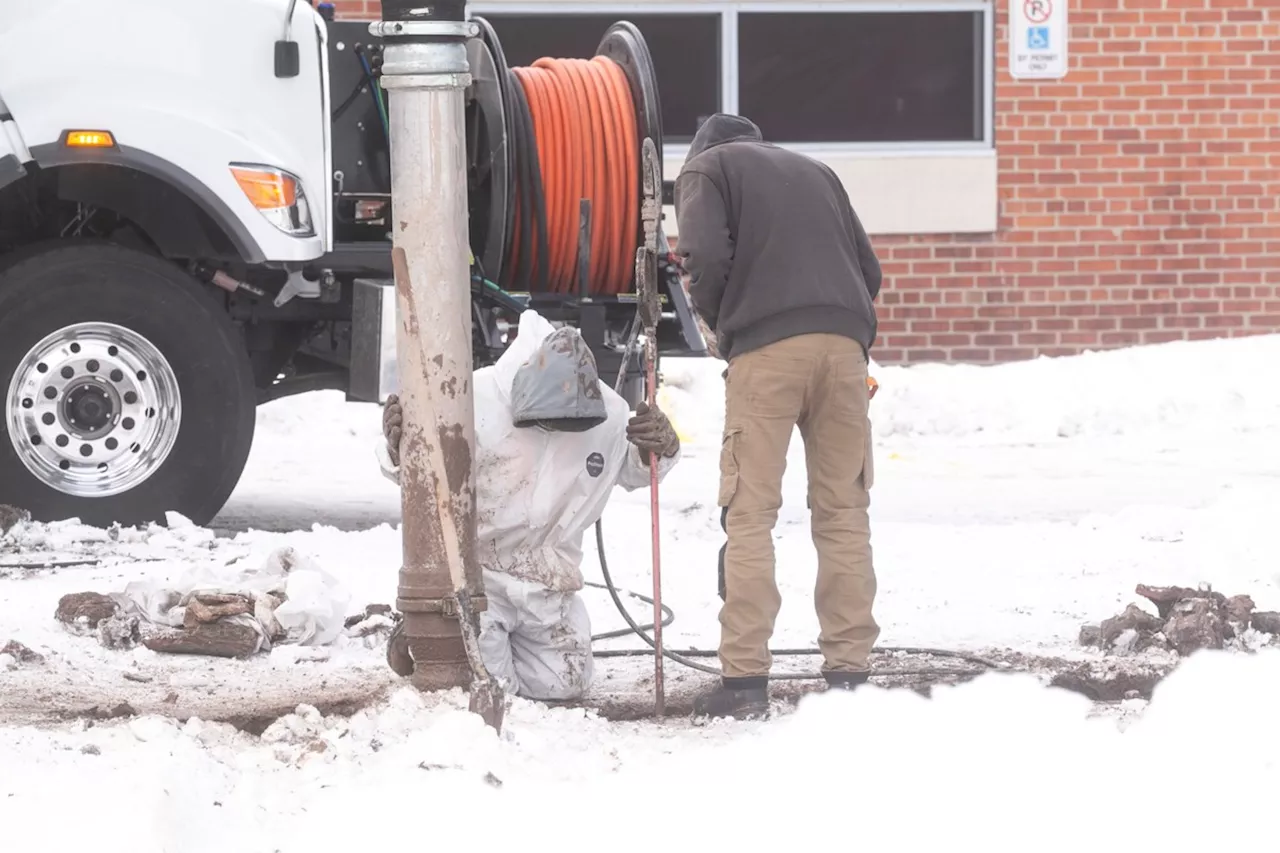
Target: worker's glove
<point>651,432</point>
<point>392,421</point>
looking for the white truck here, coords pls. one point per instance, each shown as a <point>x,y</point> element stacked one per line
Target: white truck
<point>194,202</point>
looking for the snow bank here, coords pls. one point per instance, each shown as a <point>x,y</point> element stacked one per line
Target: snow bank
<point>1001,764</point>
<point>1206,385</point>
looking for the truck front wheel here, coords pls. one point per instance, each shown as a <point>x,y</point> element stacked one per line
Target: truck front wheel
<point>128,390</point>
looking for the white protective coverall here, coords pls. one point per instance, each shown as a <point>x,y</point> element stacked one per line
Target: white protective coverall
<point>537,492</point>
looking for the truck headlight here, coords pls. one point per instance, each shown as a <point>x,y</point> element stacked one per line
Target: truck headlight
<point>278,196</point>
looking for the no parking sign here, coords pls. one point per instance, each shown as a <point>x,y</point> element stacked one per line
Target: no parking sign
<point>1038,38</point>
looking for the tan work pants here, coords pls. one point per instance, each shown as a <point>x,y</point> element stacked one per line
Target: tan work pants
<point>819,383</point>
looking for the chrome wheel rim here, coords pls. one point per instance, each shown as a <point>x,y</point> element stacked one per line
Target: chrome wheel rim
<point>93,410</point>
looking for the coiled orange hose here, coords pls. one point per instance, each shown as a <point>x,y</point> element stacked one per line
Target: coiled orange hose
<point>584,122</point>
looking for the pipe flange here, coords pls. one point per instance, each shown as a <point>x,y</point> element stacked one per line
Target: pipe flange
<point>436,80</point>
<point>460,30</point>
<point>446,607</point>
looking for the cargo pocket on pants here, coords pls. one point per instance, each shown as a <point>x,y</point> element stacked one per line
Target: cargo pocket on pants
<point>728,467</point>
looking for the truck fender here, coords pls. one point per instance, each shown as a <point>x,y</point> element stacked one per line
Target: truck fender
<point>118,194</point>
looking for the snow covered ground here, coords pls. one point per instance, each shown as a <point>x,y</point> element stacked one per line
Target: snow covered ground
<point>1012,504</point>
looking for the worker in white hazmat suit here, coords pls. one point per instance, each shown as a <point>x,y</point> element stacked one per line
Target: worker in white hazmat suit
<point>552,441</point>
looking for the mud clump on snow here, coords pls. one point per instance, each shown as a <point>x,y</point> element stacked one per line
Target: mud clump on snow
<point>210,607</point>
<point>82,612</point>
<point>1112,679</point>
<point>1134,630</point>
<point>14,654</point>
<point>119,633</point>
<point>1266,621</point>
<point>1186,621</point>
<point>374,621</point>
<point>20,653</point>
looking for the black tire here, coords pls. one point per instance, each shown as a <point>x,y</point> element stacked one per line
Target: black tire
<point>64,284</point>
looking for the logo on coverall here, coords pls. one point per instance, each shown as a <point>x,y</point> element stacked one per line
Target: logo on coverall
<point>595,464</point>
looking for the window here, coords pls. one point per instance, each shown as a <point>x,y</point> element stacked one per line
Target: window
<point>837,77</point>
<point>685,49</point>
<point>840,73</point>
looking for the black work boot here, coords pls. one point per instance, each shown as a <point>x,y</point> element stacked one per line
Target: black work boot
<point>740,698</point>
<point>845,680</point>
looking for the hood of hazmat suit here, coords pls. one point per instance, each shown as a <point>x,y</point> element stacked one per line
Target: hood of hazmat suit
<point>551,445</point>
<point>558,387</point>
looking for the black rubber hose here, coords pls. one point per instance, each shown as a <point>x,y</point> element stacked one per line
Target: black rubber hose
<point>521,177</point>
<point>533,204</point>
<point>668,616</point>
<point>683,657</point>
<point>351,99</point>
<point>539,202</point>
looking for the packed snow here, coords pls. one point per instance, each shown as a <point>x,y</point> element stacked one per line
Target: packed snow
<point>1012,505</point>
<point>1001,763</point>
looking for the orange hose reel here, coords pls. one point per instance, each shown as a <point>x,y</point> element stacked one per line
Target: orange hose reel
<point>585,122</point>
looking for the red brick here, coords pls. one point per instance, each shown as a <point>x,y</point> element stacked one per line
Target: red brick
<point>1161,336</point>
<point>980,356</point>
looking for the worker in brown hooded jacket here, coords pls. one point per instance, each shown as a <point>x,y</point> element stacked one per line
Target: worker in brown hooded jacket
<point>784,274</point>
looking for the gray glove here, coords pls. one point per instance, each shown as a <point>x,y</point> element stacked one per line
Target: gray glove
<point>392,421</point>
<point>651,432</point>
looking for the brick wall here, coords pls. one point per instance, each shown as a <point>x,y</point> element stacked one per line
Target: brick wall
<point>1138,196</point>
<point>359,9</point>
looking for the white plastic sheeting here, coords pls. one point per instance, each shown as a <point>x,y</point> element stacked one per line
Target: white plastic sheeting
<point>313,611</point>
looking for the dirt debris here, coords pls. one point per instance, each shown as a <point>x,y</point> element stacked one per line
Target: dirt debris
<point>1196,623</point>
<point>372,610</point>
<point>213,625</point>
<point>14,654</point>
<point>204,608</point>
<point>21,653</point>
<point>82,612</point>
<point>119,633</point>
<point>374,621</point>
<point>1105,681</point>
<point>1186,621</point>
<point>1135,628</point>
<point>213,639</point>
<point>1266,621</point>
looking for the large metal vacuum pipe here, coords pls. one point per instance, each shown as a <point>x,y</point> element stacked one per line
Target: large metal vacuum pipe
<point>441,588</point>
